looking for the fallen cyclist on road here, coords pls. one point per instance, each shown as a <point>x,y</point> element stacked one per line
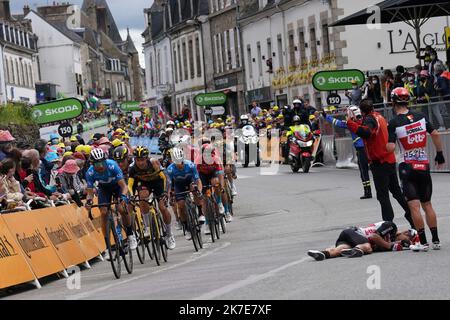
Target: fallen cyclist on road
<point>356,241</point>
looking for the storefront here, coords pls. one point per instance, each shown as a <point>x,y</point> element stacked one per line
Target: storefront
<point>262,96</point>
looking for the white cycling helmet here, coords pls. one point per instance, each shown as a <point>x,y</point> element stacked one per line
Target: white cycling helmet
<point>297,101</point>
<point>98,155</point>
<point>177,155</point>
<point>354,112</point>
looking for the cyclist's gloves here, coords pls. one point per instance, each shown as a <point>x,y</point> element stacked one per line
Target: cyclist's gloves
<point>125,198</point>
<point>439,157</point>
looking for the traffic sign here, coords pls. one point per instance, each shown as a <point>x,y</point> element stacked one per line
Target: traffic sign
<point>218,111</point>
<point>65,130</point>
<point>337,80</point>
<point>58,110</point>
<point>210,99</point>
<point>334,99</point>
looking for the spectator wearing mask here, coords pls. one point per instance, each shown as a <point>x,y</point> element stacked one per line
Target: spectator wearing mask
<point>355,96</point>
<point>373,90</point>
<point>6,144</point>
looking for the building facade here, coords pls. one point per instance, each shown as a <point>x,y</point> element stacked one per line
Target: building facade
<point>227,64</point>
<point>19,71</point>
<point>285,42</point>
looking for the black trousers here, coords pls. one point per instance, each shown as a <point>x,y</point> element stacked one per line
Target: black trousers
<point>385,180</point>
<point>363,165</point>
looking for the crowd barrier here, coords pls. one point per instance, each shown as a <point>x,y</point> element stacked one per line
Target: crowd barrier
<point>150,143</point>
<point>35,244</point>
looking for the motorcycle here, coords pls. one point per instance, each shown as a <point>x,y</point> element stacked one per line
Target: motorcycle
<point>250,139</point>
<point>301,145</point>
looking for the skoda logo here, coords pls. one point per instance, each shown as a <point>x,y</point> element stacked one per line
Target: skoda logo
<point>200,99</point>
<point>321,81</point>
<point>37,113</point>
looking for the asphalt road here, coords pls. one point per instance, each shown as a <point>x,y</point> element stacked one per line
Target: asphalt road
<point>263,255</point>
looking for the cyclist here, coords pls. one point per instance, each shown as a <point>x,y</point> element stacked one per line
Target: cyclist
<point>410,130</point>
<point>146,177</point>
<point>111,183</point>
<point>210,169</point>
<point>184,176</point>
<point>354,242</point>
<point>122,156</point>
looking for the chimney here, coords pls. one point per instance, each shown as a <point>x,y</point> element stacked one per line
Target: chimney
<point>26,10</point>
<point>5,11</point>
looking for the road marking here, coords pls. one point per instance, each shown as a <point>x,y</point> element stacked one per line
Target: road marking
<point>246,282</point>
<point>115,284</point>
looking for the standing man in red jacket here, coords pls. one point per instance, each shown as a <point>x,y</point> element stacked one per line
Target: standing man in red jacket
<point>374,131</point>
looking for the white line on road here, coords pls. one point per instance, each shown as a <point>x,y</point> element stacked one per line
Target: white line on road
<point>115,284</point>
<point>246,282</point>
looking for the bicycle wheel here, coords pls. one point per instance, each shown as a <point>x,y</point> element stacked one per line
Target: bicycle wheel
<point>127,253</point>
<point>210,218</point>
<point>156,250</point>
<point>162,241</point>
<point>191,226</point>
<point>148,242</point>
<point>139,234</point>
<point>198,229</point>
<point>223,223</point>
<point>114,253</point>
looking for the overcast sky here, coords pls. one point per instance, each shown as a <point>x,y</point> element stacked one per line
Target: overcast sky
<point>127,13</point>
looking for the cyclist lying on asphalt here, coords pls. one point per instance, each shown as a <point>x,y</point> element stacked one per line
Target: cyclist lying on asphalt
<point>357,241</point>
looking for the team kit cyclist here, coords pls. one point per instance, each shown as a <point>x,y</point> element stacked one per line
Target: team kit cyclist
<point>137,174</point>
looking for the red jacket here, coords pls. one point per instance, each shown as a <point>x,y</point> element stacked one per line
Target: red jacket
<point>374,131</point>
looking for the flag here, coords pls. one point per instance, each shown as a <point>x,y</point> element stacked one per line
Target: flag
<point>161,112</point>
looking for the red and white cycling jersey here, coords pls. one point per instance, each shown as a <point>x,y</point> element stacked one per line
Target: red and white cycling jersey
<point>370,229</point>
<point>411,132</point>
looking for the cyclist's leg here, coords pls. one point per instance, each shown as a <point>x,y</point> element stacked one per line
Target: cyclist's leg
<point>123,210</point>
<point>104,197</point>
<point>144,194</point>
<point>159,190</point>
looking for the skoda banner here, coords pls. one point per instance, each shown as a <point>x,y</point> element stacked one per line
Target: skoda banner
<point>58,110</point>
<point>337,80</point>
<point>130,106</point>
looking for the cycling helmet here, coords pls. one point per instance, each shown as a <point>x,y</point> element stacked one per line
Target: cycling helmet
<point>354,112</point>
<point>98,155</point>
<point>120,153</point>
<point>297,101</point>
<point>177,155</point>
<point>141,152</point>
<point>296,119</point>
<point>117,143</point>
<point>400,95</point>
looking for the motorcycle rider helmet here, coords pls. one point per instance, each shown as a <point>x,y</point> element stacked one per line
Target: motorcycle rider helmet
<point>170,123</point>
<point>120,153</point>
<point>244,119</point>
<point>354,112</point>
<point>297,101</point>
<point>400,96</point>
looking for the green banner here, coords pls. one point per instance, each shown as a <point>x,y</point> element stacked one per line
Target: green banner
<point>58,110</point>
<point>210,99</point>
<point>130,106</point>
<point>338,80</point>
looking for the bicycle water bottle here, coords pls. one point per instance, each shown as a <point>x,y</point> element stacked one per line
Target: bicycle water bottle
<point>119,232</point>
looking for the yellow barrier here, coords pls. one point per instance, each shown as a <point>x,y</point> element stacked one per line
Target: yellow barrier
<point>34,242</point>
<point>14,269</point>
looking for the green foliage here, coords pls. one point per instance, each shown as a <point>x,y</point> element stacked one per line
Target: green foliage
<point>16,113</point>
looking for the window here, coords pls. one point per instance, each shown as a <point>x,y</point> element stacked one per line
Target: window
<point>7,36</point>
<point>280,52</point>
<point>198,56</point>
<point>259,57</point>
<point>292,49</point>
<point>180,66</point>
<point>19,80</point>
<point>25,75</point>
<point>229,48</point>
<point>312,33</point>
<point>17,36</point>
<point>326,39</point>
<point>216,53</point>
<point>150,66</point>
<point>222,52</point>
<point>5,63</point>
<point>2,33</point>
<point>185,61</point>
<point>237,47</point>
<point>11,31</point>
<point>22,43</point>
<point>191,57</point>
<point>269,60</point>
<point>12,77</point>
<point>31,75</point>
<point>301,41</point>
<point>175,66</point>
<point>27,43</point>
<point>250,62</point>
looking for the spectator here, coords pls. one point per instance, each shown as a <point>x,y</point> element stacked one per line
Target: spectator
<point>256,110</point>
<point>373,90</point>
<point>69,182</point>
<point>434,61</point>
<point>388,85</point>
<point>10,184</point>
<point>442,86</point>
<point>355,96</point>
<point>45,168</point>
<point>80,128</point>
<point>6,143</point>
